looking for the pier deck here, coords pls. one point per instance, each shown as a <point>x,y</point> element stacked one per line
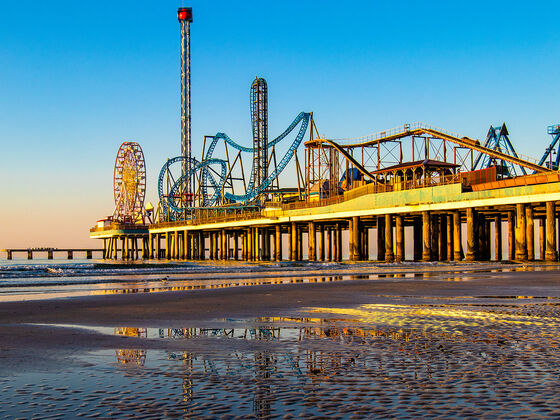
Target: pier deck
<point>438,216</point>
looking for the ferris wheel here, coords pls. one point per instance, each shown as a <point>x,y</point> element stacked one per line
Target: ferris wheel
<point>129,183</point>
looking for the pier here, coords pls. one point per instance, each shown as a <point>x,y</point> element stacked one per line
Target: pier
<point>435,219</point>
<point>50,252</point>
<point>447,196</point>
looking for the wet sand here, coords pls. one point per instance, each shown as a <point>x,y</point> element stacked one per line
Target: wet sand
<point>27,347</point>
<point>457,341</point>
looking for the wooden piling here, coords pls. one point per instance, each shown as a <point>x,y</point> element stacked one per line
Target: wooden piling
<point>551,252</point>
<point>471,251</point>
<point>426,236</point>
<point>389,254</point>
<point>520,233</point>
<point>530,233</point>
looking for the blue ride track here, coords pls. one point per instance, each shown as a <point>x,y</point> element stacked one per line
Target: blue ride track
<point>169,206</point>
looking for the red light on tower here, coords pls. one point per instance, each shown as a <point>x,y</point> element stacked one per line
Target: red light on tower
<point>185,13</point>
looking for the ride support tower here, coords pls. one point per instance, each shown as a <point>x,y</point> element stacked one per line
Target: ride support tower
<point>259,118</point>
<point>184,14</point>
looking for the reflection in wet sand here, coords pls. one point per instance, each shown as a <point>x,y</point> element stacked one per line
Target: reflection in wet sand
<point>134,356</point>
<point>440,358</point>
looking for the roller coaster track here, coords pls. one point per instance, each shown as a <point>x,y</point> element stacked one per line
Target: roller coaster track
<point>350,158</point>
<point>253,191</point>
<point>420,129</point>
<point>168,202</point>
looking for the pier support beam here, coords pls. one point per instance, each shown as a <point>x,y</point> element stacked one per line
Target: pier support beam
<point>417,238</point>
<point>328,243</point>
<point>321,243</point>
<point>201,246</point>
<point>551,252</point>
<point>389,254</point>
<point>426,236</point>
<point>299,244</point>
<point>223,245</point>
<point>364,241</point>
<point>236,245</point>
<point>529,215</point>
<point>354,239</point>
<point>399,255</point>
<point>250,244</point>
<point>337,243</point>
<point>442,237</point>
<point>50,254</point>
<point>216,245</point>
<point>498,237</point>
<point>124,248</point>
<point>278,243</point>
<point>293,242</point>
<point>480,236</point>
<point>542,238</point>
<point>471,251</point>
<point>380,238</point>
<point>449,250</point>
<point>115,247</point>
<point>434,231</point>
<point>520,233</point>
<point>511,236</point>
<point>211,245</point>
<point>457,242</point>
<point>311,239</point>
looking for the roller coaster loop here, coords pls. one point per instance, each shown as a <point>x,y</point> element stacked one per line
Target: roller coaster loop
<point>170,204</point>
<point>252,191</point>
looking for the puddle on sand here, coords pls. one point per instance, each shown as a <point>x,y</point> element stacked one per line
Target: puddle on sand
<point>450,360</point>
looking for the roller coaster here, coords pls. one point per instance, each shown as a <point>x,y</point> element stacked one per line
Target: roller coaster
<point>212,179</point>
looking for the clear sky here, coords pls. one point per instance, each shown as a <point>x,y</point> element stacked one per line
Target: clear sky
<point>77,79</point>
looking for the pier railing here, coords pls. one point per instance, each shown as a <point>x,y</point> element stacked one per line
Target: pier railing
<point>376,189</point>
<point>224,214</point>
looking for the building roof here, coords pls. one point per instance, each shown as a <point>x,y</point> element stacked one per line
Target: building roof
<point>427,164</point>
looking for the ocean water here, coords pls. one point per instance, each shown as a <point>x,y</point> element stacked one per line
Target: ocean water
<point>23,279</point>
<point>45,279</point>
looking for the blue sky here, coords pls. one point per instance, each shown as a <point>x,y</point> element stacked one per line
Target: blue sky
<point>76,80</point>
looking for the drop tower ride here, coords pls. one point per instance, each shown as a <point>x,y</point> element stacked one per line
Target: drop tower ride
<point>184,14</point>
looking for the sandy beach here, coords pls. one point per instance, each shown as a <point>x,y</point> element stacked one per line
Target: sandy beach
<point>21,332</point>
<point>454,340</point>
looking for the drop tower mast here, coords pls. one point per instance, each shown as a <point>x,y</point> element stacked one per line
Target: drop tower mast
<point>184,14</point>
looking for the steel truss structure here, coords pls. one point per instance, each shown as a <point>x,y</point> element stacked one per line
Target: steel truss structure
<point>259,119</point>
<point>498,139</point>
<point>185,17</point>
<point>548,156</point>
<point>380,158</point>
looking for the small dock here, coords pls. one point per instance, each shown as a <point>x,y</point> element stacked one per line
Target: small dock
<point>50,252</point>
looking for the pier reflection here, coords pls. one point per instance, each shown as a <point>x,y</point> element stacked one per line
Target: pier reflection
<point>266,366</point>
<point>131,356</point>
